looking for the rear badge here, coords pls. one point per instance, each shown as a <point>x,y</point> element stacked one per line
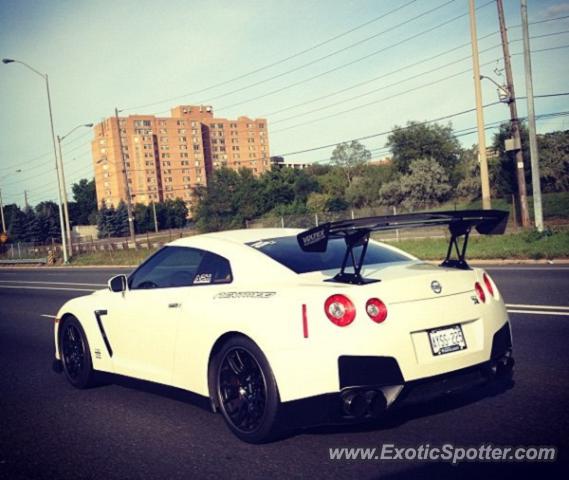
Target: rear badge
<point>436,287</point>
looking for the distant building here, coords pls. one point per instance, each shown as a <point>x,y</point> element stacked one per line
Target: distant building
<point>167,157</point>
<point>380,161</point>
<point>279,162</point>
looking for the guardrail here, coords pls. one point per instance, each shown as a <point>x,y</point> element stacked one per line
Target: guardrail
<point>16,261</point>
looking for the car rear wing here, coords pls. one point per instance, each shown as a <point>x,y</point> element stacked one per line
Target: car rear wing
<point>356,233</point>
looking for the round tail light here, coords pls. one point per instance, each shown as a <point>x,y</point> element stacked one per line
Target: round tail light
<point>376,310</point>
<point>340,310</point>
<point>479,292</point>
<point>488,284</point>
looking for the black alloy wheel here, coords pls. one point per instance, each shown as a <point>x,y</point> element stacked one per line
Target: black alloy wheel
<point>246,391</point>
<point>75,356</point>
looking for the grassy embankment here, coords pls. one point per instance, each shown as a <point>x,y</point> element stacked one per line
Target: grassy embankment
<point>527,245</point>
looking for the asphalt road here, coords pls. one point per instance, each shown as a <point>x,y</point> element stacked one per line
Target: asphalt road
<point>132,429</point>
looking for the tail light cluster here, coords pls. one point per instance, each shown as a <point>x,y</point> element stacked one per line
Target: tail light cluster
<point>489,287</point>
<point>341,311</point>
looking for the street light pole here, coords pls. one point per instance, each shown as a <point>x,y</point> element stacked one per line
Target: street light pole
<point>65,207</point>
<point>61,222</point>
<point>484,179</point>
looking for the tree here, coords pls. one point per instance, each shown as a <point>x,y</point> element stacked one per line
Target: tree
<point>364,190</point>
<point>216,209</point>
<point>15,222</point>
<point>119,221</point>
<point>332,181</point>
<point>105,221</point>
<point>48,215</point>
<point>426,185</point>
<point>143,218</point>
<point>420,140</point>
<point>85,196</point>
<point>554,161</point>
<point>468,169</point>
<point>32,226</point>
<point>351,157</point>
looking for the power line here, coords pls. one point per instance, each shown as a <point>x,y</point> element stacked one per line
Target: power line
<point>263,68</point>
<point>329,55</point>
<point>278,62</point>
<point>420,74</point>
<point>389,97</point>
<point>359,84</point>
<point>350,63</point>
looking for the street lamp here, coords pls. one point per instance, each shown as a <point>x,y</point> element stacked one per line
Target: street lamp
<point>45,77</point>
<point>2,205</point>
<point>67,225</point>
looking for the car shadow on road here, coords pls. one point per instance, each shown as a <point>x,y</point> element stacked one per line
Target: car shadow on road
<point>158,389</point>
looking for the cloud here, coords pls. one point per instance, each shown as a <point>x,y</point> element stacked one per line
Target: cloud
<point>556,10</point>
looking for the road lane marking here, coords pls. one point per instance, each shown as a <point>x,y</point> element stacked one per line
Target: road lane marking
<point>26,287</point>
<point>537,312</point>
<point>47,316</point>
<point>551,268</point>
<point>537,307</point>
<point>54,283</point>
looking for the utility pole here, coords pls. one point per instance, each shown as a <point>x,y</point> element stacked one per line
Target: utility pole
<point>515,123</point>
<point>2,214</point>
<point>26,204</point>
<point>127,186</point>
<point>484,181</point>
<point>154,213</point>
<point>534,154</point>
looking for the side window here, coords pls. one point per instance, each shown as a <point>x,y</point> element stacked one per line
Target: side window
<point>181,267</point>
<point>169,267</point>
<point>213,270</point>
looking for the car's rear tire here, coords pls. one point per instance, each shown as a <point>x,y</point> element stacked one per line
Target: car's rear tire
<point>246,391</point>
<point>75,354</point>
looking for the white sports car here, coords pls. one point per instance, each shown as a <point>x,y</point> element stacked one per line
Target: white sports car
<point>283,328</point>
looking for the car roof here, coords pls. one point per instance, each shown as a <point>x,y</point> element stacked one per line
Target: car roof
<point>240,236</point>
<point>231,244</point>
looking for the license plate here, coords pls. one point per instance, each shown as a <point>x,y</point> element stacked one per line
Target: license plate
<point>447,339</point>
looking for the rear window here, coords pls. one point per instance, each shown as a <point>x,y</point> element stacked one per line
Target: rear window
<point>287,252</point>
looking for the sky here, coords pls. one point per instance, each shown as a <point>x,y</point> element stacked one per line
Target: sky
<point>320,72</point>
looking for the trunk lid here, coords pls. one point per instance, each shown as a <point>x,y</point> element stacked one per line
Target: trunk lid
<point>403,281</point>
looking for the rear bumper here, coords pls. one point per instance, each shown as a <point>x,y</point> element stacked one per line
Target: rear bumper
<point>370,386</point>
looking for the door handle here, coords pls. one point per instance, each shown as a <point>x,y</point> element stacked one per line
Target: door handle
<point>174,305</point>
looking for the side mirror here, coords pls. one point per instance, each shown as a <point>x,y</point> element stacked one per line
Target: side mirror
<point>117,283</point>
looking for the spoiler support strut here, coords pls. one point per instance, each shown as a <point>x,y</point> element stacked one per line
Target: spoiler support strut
<point>353,240</point>
<point>460,261</point>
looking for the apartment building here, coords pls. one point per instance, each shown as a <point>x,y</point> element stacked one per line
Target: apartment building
<point>168,157</point>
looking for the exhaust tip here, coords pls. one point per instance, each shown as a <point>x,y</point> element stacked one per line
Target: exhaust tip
<point>354,404</point>
<point>376,403</point>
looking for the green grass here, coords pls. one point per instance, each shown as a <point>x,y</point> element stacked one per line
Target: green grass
<point>116,257</point>
<point>527,245</point>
